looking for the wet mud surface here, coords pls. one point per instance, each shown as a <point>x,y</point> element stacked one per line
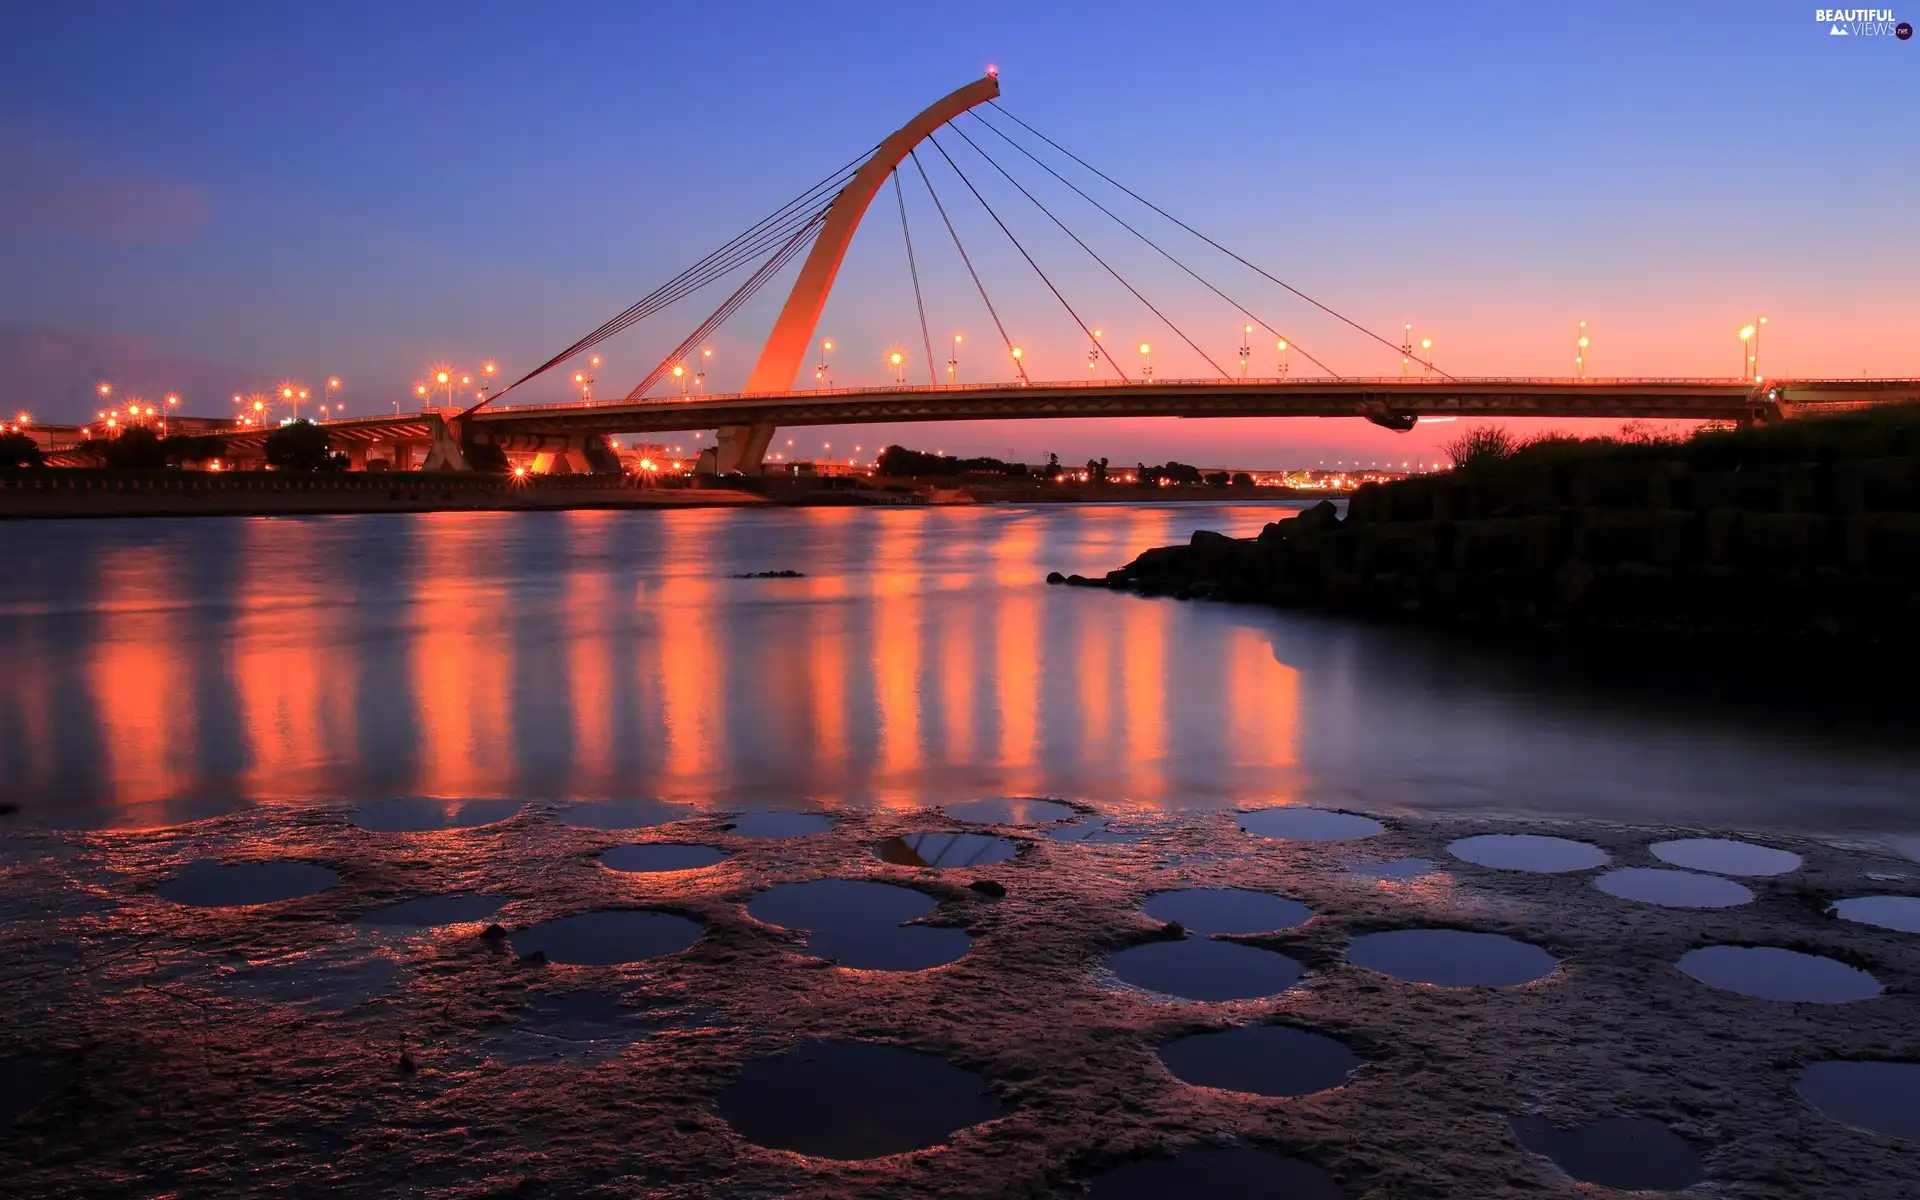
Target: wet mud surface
<point>326,1043</point>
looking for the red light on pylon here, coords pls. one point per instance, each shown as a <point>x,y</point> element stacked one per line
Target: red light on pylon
<point>993,72</point>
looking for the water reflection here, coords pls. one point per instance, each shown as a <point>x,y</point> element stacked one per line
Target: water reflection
<point>159,670</point>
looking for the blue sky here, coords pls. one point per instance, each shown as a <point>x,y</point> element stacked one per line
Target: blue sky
<point>364,189</point>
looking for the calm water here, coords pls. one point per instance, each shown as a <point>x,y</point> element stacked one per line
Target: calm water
<point>155,670</point>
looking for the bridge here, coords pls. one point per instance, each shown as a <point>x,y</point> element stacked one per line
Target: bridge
<point>822,221</point>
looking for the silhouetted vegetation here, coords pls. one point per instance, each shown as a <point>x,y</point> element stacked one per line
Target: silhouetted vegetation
<point>1171,472</point>
<point>18,450</point>
<point>184,449</point>
<point>1242,479</point>
<point>301,446</point>
<point>898,462</point>
<point>1888,431</point>
<point>136,448</point>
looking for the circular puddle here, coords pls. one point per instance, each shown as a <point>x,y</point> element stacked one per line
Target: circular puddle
<point>1308,824</point>
<point>944,849</point>
<point>661,856</point>
<point>1772,973</point>
<point>1452,958</point>
<point>1724,856</point>
<point>1226,910</point>
<point>607,936</point>
<point>1093,830</point>
<point>1628,1153</point>
<point>209,884</point>
<point>861,924</point>
<point>1012,810</point>
<point>622,814</point>
<point>1882,1097</point>
<point>1205,969</point>
<point>1900,913</point>
<point>779,824</point>
<point>1393,868</point>
<point>854,1100</point>
<point>424,814</point>
<point>1673,889</point>
<point>425,912</point>
<point>1527,852</point>
<point>1219,1173</point>
<point>1266,1060</point>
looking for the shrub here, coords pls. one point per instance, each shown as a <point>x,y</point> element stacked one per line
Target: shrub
<point>18,450</point>
<point>1481,446</point>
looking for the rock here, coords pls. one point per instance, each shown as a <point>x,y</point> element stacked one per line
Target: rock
<point>987,887</point>
<point>406,1063</point>
<point>1055,577</point>
<point>1173,930</point>
<point>1076,581</point>
<point>537,958</point>
<point>493,933</point>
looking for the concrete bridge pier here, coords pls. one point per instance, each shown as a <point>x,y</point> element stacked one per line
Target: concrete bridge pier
<point>741,448</point>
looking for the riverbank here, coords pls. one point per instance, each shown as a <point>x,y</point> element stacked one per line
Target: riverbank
<point>1808,536</point>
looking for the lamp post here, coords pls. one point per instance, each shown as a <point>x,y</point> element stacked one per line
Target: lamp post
<point>1020,367</point>
<point>680,377</point>
<point>1750,350</point>
<point>700,377</point>
<point>1146,363</point>
<point>820,379</point>
<point>1246,348</point>
<point>1426,355</point>
<point>1580,344</point>
<point>333,389</point>
<point>166,415</point>
<point>898,362</point>
<point>953,361</point>
<point>1281,347</point>
<point>1093,353</point>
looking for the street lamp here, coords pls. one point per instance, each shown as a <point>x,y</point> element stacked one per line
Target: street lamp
<point>1580,344</point>
<point>899,363</point>
<point>680,377</point>
<point>1093,353</point>
<point>1426,355</point>
<point>700,377</point>
<point>820,373</point>
<point>173,402</point>
<point>1750,350</point>
<point>953,361</point>
<point>1281,346</point>
<point>1146,363</point>
<point>1019,367</point>
<point>1406,351</point>
<point>1246,348</point>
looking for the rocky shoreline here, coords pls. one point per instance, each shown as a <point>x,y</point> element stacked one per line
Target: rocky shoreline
<point>1822,553</point>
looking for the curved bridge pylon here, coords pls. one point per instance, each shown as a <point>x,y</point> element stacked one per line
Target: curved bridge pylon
<point>742,447</point>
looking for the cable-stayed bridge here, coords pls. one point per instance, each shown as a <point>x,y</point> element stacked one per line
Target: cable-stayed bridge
<point>817,227</point>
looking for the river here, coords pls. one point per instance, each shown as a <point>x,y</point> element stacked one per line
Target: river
<point>164,670</point>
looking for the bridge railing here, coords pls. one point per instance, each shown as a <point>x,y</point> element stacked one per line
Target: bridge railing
<point>1308,384</point>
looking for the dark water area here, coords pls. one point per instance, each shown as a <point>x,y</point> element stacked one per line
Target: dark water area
<point>166,669</point>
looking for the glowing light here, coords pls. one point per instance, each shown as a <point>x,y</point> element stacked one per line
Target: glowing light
<point>1426,343</point>
<point>1281,344</point>
<point>440,377</point>
<point>1017,352</point>
<point>333,383</point>
<point>420,390</point>
<point>1746,333</point>
<point>993,72</point>
<point>894,358</point>
<point>106,389</point>
<point>520,472</point>
<point>1248,330</point>
<point>594,361</point>
<point>1145,349</point>
<point>489,368</point>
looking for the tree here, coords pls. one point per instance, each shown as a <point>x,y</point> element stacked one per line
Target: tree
<point>136,449</point>
<point>1242,479</point>
<point>18,450</point>
<point>1180,472</point>
<point>298,446</point>
<point>1481,445</point>
<point>1054,469</point>
<point>181,449</point>
<point>1218,479</point>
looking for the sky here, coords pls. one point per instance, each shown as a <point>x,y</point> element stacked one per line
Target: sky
<point>206,196</point>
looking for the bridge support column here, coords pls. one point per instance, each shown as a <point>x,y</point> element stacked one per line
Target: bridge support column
<point>741,448</point>
<point>443,453</point>
<point>564,459</point>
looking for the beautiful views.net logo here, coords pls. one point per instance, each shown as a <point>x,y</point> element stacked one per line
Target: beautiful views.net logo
<point>1862,22</point>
